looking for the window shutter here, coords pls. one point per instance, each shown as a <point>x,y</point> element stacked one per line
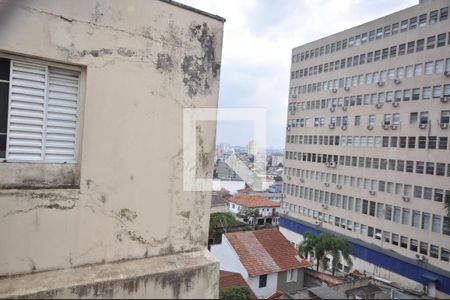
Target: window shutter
<point>26,111</point>
<point>43,115</point>
<point>62,115</point>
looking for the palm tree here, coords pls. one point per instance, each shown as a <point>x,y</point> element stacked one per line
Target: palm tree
<point>314,243</point>
<point>340,248</point>
<point>308,245</point>
<point>323,244</point>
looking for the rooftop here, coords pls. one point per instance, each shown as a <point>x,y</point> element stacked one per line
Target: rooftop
<point>193,9</point>
<point>265,252</point>
<point>229,279</point>
<point>252,201</point>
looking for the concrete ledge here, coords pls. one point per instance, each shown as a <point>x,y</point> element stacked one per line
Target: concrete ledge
<point>184,275</point>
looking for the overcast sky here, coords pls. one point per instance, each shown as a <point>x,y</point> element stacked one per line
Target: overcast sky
<point>258,40</point>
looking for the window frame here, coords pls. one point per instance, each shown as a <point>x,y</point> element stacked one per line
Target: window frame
<point>49,64</point>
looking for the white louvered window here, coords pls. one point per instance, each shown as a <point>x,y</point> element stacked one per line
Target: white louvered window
<point>42,116</point>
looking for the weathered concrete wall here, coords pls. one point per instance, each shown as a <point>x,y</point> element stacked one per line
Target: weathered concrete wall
<point>143,62</point>
<point>190,275</point>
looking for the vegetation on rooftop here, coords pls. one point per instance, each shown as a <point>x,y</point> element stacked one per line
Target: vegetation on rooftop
<point>238,292</point>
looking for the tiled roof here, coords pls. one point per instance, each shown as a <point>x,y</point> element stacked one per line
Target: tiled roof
<point>245,190</point>
<point>276,295</point>
<point>229,279</point>
<point>265,251</point>
<point>253,201</point>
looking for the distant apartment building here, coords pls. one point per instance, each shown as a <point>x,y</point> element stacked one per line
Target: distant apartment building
<point>267,210</point>
<point>277,159</point>
<point>265,259</point>
<point>251,148</point>
<point>92,96</point>
<point>367,144</point>
<point>224,171</point>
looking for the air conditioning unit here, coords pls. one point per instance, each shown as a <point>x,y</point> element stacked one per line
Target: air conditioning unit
<point>447,73</point>
<point>327,164</point>
<point>288,177</point>
<point>331,125</point>
<point>421,257</point>
<point>445,99</point>
<point>395,104</point>
<point>324,206</point>
<point>394,126</point>
<point>292,112</point>
<point>339,186</point>
<point>444,125</point>
<point>380,83</point>
<point>318,223</point>
<point>332,109</point>
<point>327,184</point>
<point>344,108</point>
<point>294,96</point>
<point>347,88</point>
<point>302,180</point>
<point>288,128</point>
<point>397,81</point>
<point>370,127</point>
<point>379,105</point>
<point>423,126</point>
<point>332,164</point>
<point>406,198</point>
<point>372,192</point>
<point>386,126</point>
<point>334,90</point>
<point>344,127</point>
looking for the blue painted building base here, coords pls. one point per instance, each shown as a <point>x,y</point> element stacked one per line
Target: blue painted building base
<point>417,271</point>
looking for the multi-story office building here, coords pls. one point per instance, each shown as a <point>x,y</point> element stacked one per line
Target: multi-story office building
<point>367,144</point>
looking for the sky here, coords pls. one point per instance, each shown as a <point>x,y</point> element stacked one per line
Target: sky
<point>258,39</point>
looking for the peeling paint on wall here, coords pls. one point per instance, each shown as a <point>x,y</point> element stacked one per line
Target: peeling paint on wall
<point>164,62</point>
<point>200,71</point>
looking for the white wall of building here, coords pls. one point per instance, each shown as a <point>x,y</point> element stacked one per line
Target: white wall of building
<point>231,186</point>
<point>264,292</point>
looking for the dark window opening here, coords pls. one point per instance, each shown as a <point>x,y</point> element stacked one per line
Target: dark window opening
<point>262,281</point>
<point>4,95</point>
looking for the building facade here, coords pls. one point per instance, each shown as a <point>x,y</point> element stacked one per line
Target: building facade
<point>367,144</point>
<point>251,148</point>
<point>267,211</point>
<point>265,259</point>
<point>91,145</point>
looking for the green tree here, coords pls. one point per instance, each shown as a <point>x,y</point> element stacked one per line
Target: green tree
<point>340,248</point>
<point>278,178</point>
<point>238,292</point>
<point>248,214</point>
<point>222,219</point>
<point>324,244</point>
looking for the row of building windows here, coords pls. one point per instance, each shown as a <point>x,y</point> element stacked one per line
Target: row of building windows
<point>376,34</point>
<point>419,142</point>
<point>428,92</point>
<point>371,185</point>
<point>389,121</point>
<point>400,215</point>
<point>376,233</point>
<point>379,77</point>
<point>399,165</point>
<point>431,42</point>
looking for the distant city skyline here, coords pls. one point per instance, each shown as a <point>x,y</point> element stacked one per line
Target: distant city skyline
<point>258,39</point>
